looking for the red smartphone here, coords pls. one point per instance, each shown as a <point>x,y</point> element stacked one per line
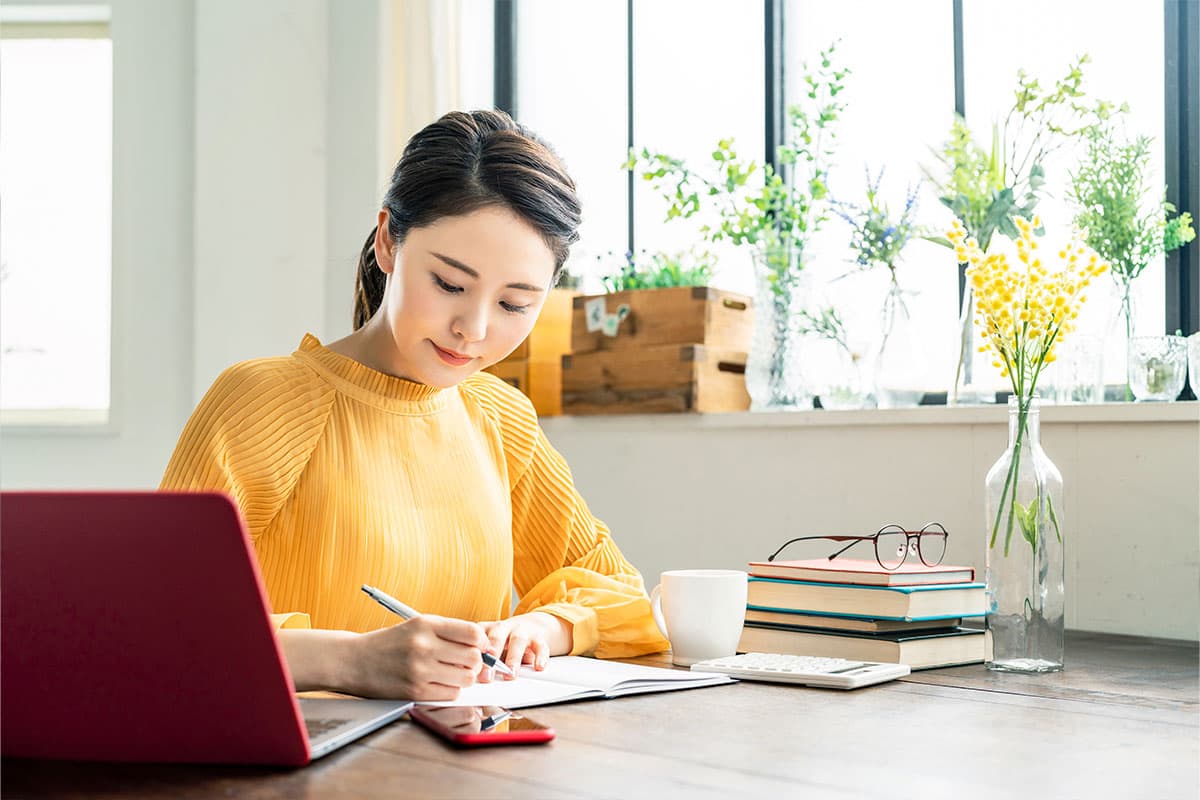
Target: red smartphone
<point>478,726</point>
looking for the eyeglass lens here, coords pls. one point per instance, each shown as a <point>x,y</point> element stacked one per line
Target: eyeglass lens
<point>932,544</point>
<point>893,545</point>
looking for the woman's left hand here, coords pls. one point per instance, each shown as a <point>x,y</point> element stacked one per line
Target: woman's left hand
<point>527,639</point>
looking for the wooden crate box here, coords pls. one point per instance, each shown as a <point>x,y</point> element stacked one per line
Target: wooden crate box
<point>550,338</point>
<point>540,380</point>
<point>653,380</point>
<point>678,315</point>
<point>535,367</point>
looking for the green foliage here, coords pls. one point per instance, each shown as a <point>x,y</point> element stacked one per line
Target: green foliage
<point>1111,191</point>
<point>987,189</point>
<point>876,236</point>
<point>663,270</point>
<point>825,323</point>
<point>778,214</point>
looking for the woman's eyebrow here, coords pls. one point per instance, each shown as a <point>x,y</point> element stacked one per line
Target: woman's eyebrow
<point>454,262</point>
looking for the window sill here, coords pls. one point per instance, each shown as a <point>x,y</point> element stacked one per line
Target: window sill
<point>56,421</point>
<point>1105,413</point>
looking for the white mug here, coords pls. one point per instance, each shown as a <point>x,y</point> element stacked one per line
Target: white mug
<point>703,609</point>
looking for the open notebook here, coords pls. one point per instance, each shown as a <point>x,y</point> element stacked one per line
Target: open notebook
<point>574,678</point>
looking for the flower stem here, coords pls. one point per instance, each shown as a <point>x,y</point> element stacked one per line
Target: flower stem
<point>1011,480</point>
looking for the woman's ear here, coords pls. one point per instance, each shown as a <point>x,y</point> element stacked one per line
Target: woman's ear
<point>385,255</point>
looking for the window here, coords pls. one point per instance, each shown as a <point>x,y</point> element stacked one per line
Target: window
<point>899,101</point>
<point>56,210</point>
<point>697,76</point>
<point>690,90</point>
<point>1124,69</point>
<point>571,90</point>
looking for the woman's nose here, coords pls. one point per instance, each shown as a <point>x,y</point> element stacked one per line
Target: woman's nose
<point>471,324</point>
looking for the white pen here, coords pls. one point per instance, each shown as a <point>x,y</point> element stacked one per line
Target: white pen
<point>404,612</point>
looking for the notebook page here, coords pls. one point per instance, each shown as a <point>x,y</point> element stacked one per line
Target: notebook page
<point>608,675</point>
<point>571,677</point>
<point>523,692</point>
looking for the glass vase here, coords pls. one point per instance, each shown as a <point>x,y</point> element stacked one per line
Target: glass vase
<point>775,376</point>
<point>964,390</point>
<point>1025,593</point>
<point>1120,334</point>
<point>894,380</point>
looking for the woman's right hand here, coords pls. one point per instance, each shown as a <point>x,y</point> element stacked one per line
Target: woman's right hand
<point>425,658</point>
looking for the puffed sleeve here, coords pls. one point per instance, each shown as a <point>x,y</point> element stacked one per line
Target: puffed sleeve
<point>565,561</point>
<point>250,437</point>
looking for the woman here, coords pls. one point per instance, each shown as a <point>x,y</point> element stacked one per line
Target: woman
<point>388,458</point>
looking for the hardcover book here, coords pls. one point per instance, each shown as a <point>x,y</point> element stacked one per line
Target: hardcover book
<point>853,570</point>
<point>909,603</point>
<point>919,650</point>
<point>859,624</point>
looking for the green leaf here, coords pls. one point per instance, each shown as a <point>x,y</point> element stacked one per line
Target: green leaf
<point>1053,518</point>
<point>1027,521</point>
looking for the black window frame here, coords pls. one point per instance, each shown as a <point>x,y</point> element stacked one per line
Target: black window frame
<point>1181,140</point>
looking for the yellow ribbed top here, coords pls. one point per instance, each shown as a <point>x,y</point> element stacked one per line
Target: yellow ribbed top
<point>445,499</point>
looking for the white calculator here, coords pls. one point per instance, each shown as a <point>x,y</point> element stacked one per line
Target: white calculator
<point>830,673</point>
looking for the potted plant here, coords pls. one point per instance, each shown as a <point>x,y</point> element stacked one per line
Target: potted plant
<point>659,340</point>
<point>987,190</point>
<point>662,270</point>
<point>775,215</point>
<point>1112,194</point>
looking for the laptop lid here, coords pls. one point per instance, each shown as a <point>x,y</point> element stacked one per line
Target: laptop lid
<point>135,628</point>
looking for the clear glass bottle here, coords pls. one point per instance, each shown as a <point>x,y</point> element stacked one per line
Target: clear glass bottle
<point>1025,530</point>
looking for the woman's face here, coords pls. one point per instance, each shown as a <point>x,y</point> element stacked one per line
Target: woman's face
<point>462,293</point>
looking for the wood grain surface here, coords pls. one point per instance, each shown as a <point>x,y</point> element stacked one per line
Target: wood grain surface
<point>1122,721</point>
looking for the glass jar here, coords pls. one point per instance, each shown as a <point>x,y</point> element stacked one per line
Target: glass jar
<point>1157,367</point>
<point>1025,592</point>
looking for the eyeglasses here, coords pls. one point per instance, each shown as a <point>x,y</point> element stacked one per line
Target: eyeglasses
<point>893,544</point>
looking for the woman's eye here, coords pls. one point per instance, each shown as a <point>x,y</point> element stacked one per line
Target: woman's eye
<point>445,287</point>
<point>510,308</point>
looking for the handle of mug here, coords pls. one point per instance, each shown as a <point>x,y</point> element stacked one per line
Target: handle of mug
<point>656,609</point>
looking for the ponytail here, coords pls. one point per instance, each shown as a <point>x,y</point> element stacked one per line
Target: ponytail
<point>368,284</point>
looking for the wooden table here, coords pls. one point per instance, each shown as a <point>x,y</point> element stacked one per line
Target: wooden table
<point>1123,721</point>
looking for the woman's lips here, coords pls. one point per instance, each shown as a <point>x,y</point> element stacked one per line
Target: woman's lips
<point>450,357</point>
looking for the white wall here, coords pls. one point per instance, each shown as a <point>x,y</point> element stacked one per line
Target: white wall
<point>718,491</point>
<point>243,187</point>
<point>153,169</point>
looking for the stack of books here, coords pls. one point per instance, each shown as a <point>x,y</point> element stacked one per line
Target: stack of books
<point>858,610</point>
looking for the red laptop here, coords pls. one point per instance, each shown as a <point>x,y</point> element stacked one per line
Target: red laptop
<point>133,627</point>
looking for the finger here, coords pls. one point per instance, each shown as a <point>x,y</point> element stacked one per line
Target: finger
<point>460,631</point>
<point>459,655</point>
<point>517,642</point>
<point>497,637</point>
<point>540,649</point>
<point>453,675</point>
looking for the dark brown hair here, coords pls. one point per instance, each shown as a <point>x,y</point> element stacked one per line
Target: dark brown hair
<point>460,164</point>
